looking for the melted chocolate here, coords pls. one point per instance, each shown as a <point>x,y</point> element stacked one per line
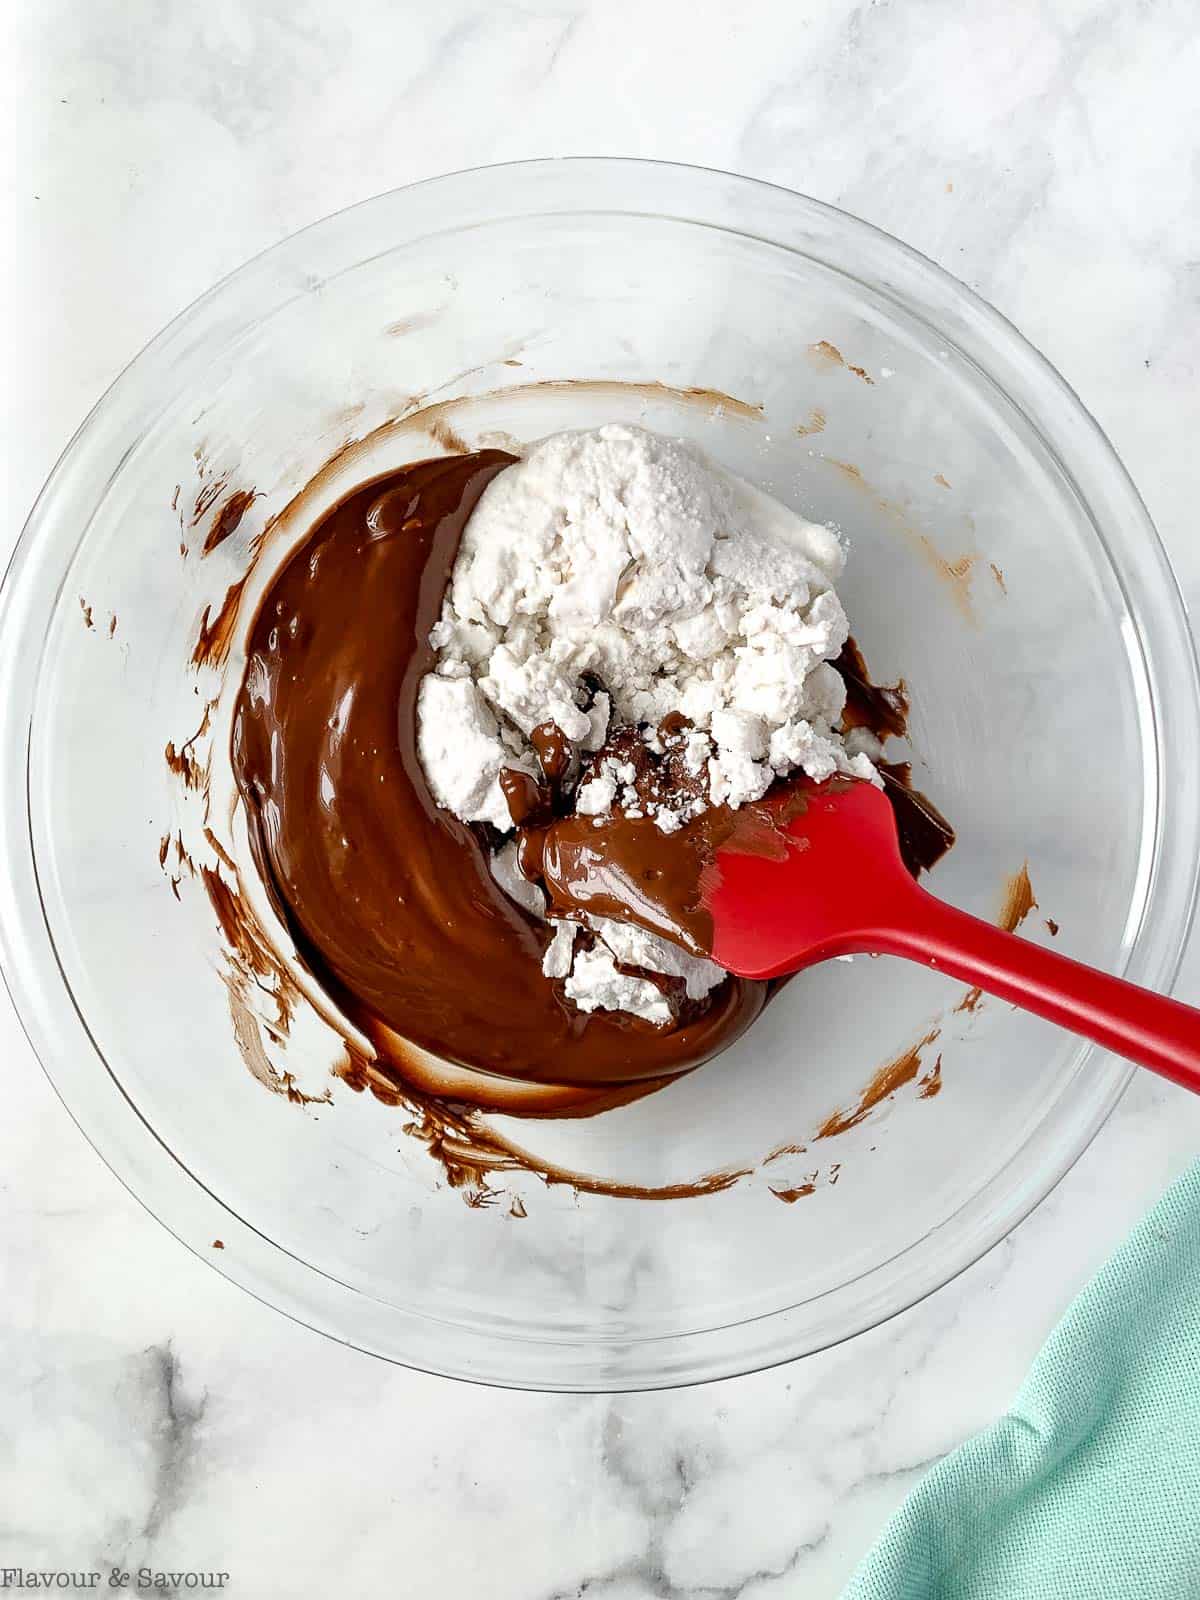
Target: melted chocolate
<point>626,867</point>
<point>390,901</point>
<point>923,831</point>
<point>228,520</point>
<point>893,1075</point>
<point>881,709</point>
<point>554,750</point>
<point>527,799</point>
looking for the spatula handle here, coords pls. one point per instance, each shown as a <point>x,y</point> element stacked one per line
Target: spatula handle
<point>1148,1028</point>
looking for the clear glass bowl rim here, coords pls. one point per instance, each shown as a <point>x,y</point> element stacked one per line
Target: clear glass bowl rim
<point>58,1031</point>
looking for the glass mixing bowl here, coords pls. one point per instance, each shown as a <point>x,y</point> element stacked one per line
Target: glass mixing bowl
<point>1001,562</point>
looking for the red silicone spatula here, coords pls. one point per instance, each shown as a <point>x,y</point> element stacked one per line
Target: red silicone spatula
<point>843,890</point>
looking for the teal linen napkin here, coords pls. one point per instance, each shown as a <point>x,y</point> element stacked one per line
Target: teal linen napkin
<point>1090,1485</point>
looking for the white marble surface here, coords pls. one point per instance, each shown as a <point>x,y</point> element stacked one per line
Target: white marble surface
<point>150,1413</point>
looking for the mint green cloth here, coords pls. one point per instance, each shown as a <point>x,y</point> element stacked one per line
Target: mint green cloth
<point>1090,1485</point>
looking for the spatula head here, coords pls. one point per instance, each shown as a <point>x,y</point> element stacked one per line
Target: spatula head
<point>839,877</point>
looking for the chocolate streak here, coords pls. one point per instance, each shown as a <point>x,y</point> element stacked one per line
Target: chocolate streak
<point>388,899</point>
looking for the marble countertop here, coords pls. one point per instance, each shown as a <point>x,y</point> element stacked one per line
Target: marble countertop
<point>1045,152</point>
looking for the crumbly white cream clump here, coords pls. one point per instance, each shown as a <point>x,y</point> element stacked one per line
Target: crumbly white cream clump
<point>622,555</point>
<point>592,978</point>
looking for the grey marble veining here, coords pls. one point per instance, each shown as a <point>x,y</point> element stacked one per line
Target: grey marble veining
<point>151,1414</point>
